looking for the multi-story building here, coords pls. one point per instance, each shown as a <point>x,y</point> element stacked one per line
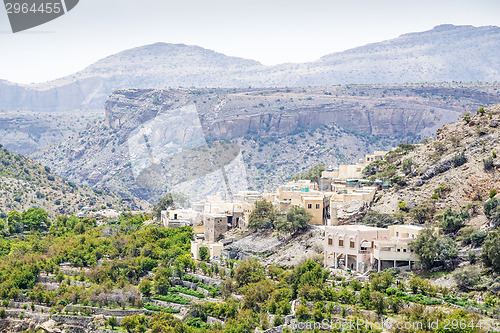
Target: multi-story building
<point>215,225</point>
<point>362,248</point>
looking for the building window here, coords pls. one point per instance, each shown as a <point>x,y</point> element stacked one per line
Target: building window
<point>399,250</point>
<point>351,244</point>
<point>397,233</point>
<point>404,250</point>
<point>309,206</point>
<point>341,242</point>
<point>412,236</point>
<point>330,241</point>
<point>317,206</point>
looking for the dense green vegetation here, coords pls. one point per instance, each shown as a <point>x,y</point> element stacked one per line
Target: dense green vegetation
<point>266,216</point>
<point>119,256</point>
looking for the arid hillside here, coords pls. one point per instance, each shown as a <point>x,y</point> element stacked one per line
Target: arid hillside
<point>457,169</point>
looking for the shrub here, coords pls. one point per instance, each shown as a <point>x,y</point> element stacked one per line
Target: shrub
<point>378,219</point>
<point>190,278</point>
<point>493,193</point>
<point>459,160</point>
<point>422,213</point>
<point>173,298</point>
<point>488,163</point>
<point>471,236</point>
<point>491,250</point>
<point>472,257</point>
<point>466,117</point>
<point>467,278</point>
<point>490,206</point>
<point>179,289</point>
<point>408,166</point>
<point>452,221</point>
<point>402,206</point>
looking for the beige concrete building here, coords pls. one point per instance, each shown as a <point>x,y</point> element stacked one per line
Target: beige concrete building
<point>214,226</point>
<point>377,155</point>
<point>396,252</point>
<point>237,212</point>
<point>351,246</point>
<point>362,248</point>
<point>314,206</point>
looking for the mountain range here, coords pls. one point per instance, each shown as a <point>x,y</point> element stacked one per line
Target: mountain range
<point>283,118</point>
<point>446,53</point>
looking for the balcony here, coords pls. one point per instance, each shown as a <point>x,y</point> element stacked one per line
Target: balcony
<point>387,254</point>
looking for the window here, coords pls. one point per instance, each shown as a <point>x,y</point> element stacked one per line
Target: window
<point>309,206</point>
<point>397,233</point>
<point>351,244</point>
<point>399,250</point>
<point>330,241</point>
<point>317,206</point>
<point>412,236</point>
<point>404,250</point>
<point>341,242</point>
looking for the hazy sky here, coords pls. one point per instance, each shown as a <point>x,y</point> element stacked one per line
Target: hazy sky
<point>269,31</point>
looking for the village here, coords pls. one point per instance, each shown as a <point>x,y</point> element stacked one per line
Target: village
<point>218,222</point>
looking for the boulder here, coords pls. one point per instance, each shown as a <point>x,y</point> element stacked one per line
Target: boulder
<point>49,326</point>
<point>351,211</point>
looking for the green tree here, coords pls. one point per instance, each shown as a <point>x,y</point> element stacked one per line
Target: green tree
<point>313,174</point>
<point>163,204</point>
<point>422,213</point>
<point>452,221</point>
<point>145,287</point>
<point>249,271</point>
<point>263,216</point>
<point>14,217</point>
<point>425,247</point>
<point>130,322</point>
<point>409,166</point>
<point>203,253</point>
<point>113,322</point>
<point>378,302</point>
<point>296,219</point>
<point>365,296</point>
<point>431,248</point>
<point>491,250</point>
<point>33,218</point>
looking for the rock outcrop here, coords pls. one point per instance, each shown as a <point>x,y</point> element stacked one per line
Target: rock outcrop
<point>154,140</point>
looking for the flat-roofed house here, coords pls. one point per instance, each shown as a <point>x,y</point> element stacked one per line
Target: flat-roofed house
<point>351,246</point>
<point>362,248</point>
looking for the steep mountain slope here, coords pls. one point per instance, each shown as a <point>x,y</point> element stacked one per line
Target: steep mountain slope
<point>25,184</point>
<point>458,168</point>
<point>279,132</point>
<point>445,53</point>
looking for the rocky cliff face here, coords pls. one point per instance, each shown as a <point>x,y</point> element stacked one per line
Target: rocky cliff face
<point>152,140</point>
<point>444,54</point>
